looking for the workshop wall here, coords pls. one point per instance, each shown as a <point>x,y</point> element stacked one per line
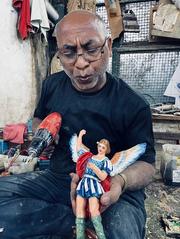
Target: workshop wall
<point>145,62</point>
<point>18,73</point>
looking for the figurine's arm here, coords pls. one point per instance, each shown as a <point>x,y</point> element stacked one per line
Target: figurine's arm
<point>100,173</point>
<point>79,139</point>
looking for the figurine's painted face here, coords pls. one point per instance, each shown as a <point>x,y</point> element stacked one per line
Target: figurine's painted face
<point>79,34</point>
<point>102,148</point>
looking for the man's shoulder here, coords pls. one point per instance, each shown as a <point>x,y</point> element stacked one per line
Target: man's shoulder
<point>56,78</point>
<point>125,92</point>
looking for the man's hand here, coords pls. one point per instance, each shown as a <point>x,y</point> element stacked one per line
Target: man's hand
<point>74,183</point>
<point>110,197</point>
<point>107,198</point>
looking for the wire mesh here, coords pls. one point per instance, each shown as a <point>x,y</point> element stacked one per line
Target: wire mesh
<point>142,12</point>
<point>101,11</point>
<point>148,73</point>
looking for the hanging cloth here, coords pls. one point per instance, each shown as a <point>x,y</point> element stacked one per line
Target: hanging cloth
<point>24,25</point>
<point>39,17</point>
<point>15,133</point>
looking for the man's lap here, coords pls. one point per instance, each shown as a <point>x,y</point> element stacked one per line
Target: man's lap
<point>35,204</point>
<point>39,203</point>
<point>124,220</point>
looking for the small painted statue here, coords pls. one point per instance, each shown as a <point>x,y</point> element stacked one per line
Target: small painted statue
<point>95,171</point>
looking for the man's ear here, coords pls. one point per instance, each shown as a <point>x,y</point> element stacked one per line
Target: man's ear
<point>109,42</point>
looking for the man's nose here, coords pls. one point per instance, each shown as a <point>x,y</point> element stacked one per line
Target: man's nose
<point>81,62</point>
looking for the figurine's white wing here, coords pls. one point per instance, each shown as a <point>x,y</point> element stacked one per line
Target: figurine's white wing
<point>123,159</point>
<point>73,144</point>
<point>73,148</point>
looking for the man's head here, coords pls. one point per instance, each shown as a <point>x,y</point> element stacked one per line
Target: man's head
<point>84,49</point>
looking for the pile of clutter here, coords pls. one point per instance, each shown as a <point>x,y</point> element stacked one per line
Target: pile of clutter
<point>165,109</point>
<point>18,160</point>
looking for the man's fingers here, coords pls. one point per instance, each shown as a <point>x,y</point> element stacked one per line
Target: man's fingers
<point>74,182</point>
<point>74,177</point>
<point>56,140</point>
<point>73,203</point>
<point>110,197</point>
<point>106,199</point>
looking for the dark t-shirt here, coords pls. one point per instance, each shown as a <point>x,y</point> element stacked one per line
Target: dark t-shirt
<point>116,113</point>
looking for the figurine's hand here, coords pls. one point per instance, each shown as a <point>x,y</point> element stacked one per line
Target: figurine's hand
<point>113,195</point>
<point>74,183</point>
<point>91,166</point>
<point>82,132</point>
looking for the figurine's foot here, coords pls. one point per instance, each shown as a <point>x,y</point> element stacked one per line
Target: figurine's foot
<point>90,233</point>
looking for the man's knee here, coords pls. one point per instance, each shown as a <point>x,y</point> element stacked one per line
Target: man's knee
<point>124,220</point>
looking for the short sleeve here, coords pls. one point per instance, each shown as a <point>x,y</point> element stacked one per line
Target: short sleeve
<point>107,166</point>
<point>140,131</point>
<point>40,111</point>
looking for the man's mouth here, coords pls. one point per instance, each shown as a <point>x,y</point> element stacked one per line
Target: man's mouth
<point>85,79</point>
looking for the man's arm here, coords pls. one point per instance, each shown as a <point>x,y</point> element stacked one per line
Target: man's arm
<point>138,175</point>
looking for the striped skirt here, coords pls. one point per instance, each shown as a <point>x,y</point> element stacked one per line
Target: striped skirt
<point>89,186</point>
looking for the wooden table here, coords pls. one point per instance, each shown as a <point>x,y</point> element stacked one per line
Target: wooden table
<point>166,127</point>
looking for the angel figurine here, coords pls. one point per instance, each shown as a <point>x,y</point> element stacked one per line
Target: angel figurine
<point>94,172</point>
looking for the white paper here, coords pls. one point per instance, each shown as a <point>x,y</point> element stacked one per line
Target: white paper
<point>173,88</point>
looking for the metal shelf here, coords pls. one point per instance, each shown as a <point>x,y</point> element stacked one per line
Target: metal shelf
<point>145,47</point>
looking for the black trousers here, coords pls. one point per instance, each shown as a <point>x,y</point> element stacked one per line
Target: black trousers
<point>37,206</point>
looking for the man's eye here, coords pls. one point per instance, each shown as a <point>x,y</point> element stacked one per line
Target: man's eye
<point>69,54</point>
<point>93,50</point>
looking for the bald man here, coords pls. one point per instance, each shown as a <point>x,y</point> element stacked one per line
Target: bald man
<point>38,204</point>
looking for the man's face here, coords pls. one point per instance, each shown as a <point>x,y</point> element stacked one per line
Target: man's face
<point>82,35</point>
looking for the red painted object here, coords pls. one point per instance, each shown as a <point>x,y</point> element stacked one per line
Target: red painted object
<point>45,134</point>
<point>52,123</point>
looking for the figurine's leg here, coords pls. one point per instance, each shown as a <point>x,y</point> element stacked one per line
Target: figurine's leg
<point>80,217</point>
<point>96,217</point>
<point>80,228</point>
<point>97,222</point>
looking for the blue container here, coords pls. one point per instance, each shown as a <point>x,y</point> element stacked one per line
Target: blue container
<point>3,146</point>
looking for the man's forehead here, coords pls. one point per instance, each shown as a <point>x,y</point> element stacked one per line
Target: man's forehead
<point>82,33</point>
<point>78,27</point>
<point>80,20</point>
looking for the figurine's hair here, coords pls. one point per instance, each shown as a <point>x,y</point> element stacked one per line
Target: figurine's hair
<point>106,143</point>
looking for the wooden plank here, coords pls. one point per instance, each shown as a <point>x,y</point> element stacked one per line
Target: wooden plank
<point>167,136</point>
<point>175,34</point>
<point>165,117</point>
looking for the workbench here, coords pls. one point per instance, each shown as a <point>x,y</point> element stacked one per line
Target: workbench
<point>166,127</point>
